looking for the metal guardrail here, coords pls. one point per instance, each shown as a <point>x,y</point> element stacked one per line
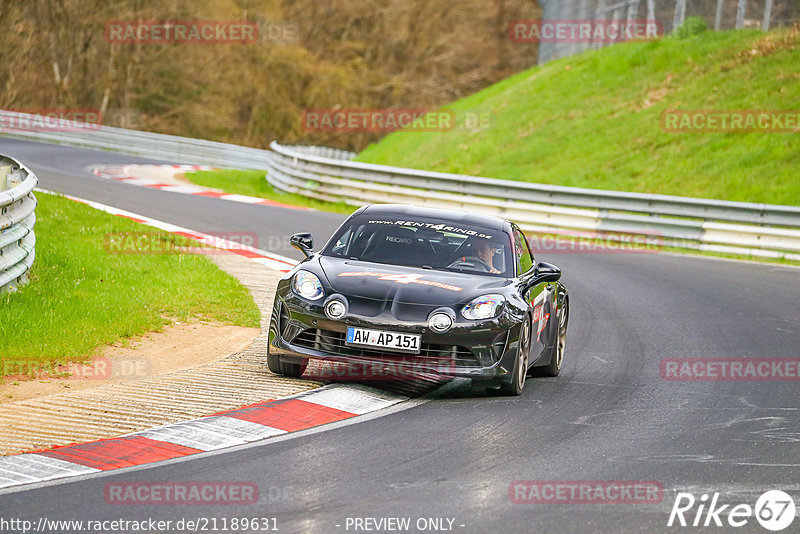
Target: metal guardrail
<point>722,226</point>
<point>17,218</point>
<point>159,147</point>
<point>324,173</point>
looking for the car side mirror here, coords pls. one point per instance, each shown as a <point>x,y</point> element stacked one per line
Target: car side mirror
<point>546,272</point>
<point>303,242</point>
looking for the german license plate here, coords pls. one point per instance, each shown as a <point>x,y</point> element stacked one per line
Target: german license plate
<point>386,340</point>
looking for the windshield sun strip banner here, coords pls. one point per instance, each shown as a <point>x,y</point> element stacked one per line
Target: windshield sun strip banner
<point>402,279</point>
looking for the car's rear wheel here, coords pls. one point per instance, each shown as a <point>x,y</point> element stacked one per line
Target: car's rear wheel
<point>517,382</point>
<point>292,370</point>
<point>554,367</point>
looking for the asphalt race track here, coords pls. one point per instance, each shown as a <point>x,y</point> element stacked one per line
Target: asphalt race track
<point>609,417</point>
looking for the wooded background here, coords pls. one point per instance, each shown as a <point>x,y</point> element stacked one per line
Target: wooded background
<point>350,54</point>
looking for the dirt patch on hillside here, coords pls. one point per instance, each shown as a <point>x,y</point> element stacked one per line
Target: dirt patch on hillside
<point>766,46</point>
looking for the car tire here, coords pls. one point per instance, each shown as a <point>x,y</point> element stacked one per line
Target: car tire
<point>517,383</point>
<point>554,367</point>
<point>292,370</point>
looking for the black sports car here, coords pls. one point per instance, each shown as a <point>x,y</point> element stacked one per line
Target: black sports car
<point>458,294</point>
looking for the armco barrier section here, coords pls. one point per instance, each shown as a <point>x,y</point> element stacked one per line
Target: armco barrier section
<point>159,147</point>
<point>17,218</point>
<point>722,226</point>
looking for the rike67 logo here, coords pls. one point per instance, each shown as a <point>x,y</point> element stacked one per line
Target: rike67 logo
<point>774,510</point>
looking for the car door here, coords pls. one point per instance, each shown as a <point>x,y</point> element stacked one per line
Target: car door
<point>540,297</point>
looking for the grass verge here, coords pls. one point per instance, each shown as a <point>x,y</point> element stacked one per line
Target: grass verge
<point>80,297</point>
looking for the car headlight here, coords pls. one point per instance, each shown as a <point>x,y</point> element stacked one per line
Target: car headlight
<point>307,285</point>
<point>483,307</point>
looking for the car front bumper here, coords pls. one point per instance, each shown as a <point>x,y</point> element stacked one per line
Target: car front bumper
<point>480,350</point>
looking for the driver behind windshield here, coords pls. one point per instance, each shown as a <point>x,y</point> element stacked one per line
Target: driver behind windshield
<point>485,252</point>
<point>480,254</point>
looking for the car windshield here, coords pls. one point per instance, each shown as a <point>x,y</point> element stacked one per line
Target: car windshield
<point>428,244</point>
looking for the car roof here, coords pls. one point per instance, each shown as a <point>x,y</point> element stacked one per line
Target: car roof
<point>420,212</point>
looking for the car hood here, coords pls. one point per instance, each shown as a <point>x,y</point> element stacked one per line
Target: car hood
<point>406,285</point>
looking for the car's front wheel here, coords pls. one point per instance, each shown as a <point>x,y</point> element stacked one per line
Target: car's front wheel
<point>292,370</point>
<point>554,367</point>
<point>517,382</point>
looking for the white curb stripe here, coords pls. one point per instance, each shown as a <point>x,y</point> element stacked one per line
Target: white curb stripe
<point>239,428</point>
<point>352,398</point>
<point>242,198</point>
<point>28,468</point>
<point>7,482</point>
<point>181,189</point>
<point>18,477</point>
<point>68,468</point>
<point>188,435</point>
<point>211,433</point>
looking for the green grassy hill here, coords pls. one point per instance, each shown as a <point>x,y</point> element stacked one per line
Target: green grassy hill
<point>595,120</point>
